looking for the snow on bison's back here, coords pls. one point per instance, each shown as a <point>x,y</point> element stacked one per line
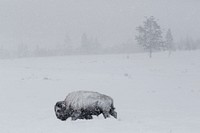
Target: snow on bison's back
<point>85,99</point>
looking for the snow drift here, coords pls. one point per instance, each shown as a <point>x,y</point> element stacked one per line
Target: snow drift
<point>157,95</point>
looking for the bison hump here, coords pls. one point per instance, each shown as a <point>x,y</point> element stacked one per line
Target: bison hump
<point>87,99</point>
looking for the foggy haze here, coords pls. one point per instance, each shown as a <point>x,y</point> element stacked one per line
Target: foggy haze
<point>47,22</point>
<point>143,54</point>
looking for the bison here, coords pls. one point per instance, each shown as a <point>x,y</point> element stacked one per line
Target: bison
<point>84,104</point>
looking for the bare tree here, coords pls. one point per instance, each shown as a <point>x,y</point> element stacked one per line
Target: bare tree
<point>150,35</point>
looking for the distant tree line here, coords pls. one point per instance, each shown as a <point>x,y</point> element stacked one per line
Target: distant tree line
<point>88,45</point>
<point>149,38</point>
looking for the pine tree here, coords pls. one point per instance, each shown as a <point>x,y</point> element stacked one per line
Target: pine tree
<point>23,50</point>
<point>150,35</point>
<point>169,41</point>
<point>85,44</point>
<point>67,46</point>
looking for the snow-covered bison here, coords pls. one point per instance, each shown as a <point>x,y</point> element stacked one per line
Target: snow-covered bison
<point>84,104</point>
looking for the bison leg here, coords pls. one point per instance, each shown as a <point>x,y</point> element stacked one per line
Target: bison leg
<point>87,117</point>
<point>106,114</point>
<point>85,114</point>
<point>113,113</point>
<point>76,115</point>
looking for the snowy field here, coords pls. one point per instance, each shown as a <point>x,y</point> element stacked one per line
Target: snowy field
<point>158,95</point>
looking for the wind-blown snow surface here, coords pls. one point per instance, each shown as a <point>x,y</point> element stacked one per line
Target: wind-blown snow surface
<point>158,95</point>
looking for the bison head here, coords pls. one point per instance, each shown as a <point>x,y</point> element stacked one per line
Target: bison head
<point>61,111</point>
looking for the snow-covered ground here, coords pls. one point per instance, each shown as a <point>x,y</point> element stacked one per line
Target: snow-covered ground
<point>158,95</point>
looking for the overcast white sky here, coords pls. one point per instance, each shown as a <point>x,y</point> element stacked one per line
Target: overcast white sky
<point>46,22</point>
